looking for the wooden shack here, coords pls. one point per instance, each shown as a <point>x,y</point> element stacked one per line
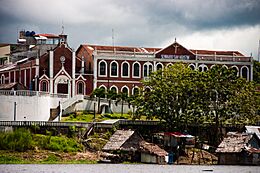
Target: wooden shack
<point>130,146</point>
<point>239,149</point>
<point>152,153</point>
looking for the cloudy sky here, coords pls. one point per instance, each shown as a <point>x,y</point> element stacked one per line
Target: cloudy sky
<point>197,24</point>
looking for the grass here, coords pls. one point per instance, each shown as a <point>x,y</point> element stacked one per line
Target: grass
<point>23,140</point>
<point>29,157</point>
<point>87,117</point>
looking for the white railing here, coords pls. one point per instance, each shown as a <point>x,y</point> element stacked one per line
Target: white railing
<point>224,58</point>
<point>71,101</point>
<point>31,93</point>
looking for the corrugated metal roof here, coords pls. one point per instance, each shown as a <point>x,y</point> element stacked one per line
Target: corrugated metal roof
<point>253,129</point>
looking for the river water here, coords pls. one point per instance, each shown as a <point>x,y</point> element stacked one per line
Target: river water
<point>124,168</point>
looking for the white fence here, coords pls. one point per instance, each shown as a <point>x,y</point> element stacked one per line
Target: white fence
<point>31,93</point>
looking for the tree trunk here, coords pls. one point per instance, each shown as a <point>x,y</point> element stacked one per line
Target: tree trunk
<point>99,105</point>
<point>122,108</point>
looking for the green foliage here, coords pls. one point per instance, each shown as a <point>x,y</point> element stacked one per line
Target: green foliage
<point>256,72</point>
<point>117,116</point>
<point>9,159</point>
<point>51,159</point>
<point>18,140</point>
<point>98,140</point>
<point>57,143</point>
<point>179,96</point>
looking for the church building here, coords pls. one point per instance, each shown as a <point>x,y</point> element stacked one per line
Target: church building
<point>57,69</point>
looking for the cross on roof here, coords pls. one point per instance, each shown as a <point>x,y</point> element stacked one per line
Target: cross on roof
<point>175,46</point>
<point>44,70</point>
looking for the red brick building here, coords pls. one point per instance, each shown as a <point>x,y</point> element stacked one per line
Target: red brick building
<point>59,69</point>
<point>122,68</point>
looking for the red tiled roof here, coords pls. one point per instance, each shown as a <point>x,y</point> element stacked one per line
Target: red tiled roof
<point>211,52</point>
<point>121,48</point>
<point>48,35</point>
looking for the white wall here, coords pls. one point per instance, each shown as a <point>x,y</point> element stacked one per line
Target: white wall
<point>89,105</point>
<point>29,108</point>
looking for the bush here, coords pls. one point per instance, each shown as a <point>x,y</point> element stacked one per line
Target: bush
<point>57,143</point>
<point>18,140</point>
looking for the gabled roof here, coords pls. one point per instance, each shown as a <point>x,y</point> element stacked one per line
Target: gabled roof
<point>152,149</point>
<point>47,35</point>
<point>119,138</point>
<point>15,86</point>
<point>234,143</point>
<point>119,48</point>
<point>172,46</point>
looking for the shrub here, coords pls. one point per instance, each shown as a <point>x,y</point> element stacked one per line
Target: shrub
<point>57,143</point>
<point>18,140</point>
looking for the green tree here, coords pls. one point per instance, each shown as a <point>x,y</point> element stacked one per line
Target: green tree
<point>122,97</point>
<point>99,93</point>
<point>181,96</point>
<point>256,72</point>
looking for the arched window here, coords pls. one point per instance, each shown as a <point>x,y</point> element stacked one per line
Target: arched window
<point>102,68</point>
<point>2,79</point>
<point>44,86</point>
<point>244,72</point>
<point>125,90</point>
<point>80,88</point>
<point>203,68</point>
<point>147,89</point>
<point>169,65</point>
<point>125,70</point>
<point>145,70</point>
<point>113,89</point>
<point>136,70</point>
<point>192,66</point>
<point>148,68</point>
<point>235,70</point>
<point>113,69</point>
<point>135,91</point>
<point>159,66</point>
<point>103,95</point>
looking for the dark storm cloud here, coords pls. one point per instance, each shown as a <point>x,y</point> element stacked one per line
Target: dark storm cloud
<point>135,22</point>
<point>201,14</point>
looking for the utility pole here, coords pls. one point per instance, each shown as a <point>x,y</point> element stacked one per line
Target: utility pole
<point>15,104</point>
<point>94,111</point>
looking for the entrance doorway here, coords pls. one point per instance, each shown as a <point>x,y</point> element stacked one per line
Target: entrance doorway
<point>62,88</point>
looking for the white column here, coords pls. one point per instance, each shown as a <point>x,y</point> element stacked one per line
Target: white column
<point>37,63</point>
<point>73,73</point>
<point>251,71</point>
<point>69,89</point>
<point>9,81</point>
<point>51,71</point>
<point>95,70</point>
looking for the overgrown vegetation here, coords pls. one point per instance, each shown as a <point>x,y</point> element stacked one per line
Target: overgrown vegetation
<point>18,140</point>
<point>22,140</point>
<point>57,143</point>
<point>98,140</point>
<point>42,157</point>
